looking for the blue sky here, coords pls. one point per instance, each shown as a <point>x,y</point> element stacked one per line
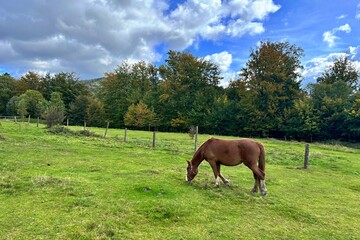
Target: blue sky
<point>91,37</point>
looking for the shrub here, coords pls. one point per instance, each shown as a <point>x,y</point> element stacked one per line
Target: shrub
<point>61,130</point>
<point>53,117</point>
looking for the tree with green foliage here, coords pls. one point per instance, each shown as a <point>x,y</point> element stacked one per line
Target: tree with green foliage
<point>129,84</point>
<point>342,70</point>
<point>272,84</point>
<point>54,113</point>
<point>11,106</point>
<point>223,117</point>
<point>77,113</point>
<point>333,97</point>
<point>67,84</point>
<point>188,89</point>
<point>301,123</point>
<point>31,103</point>
<point>7,91</point>
<point>353,118</point>
<point>95,113</point>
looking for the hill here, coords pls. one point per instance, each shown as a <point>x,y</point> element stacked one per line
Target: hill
<point>93,84</point>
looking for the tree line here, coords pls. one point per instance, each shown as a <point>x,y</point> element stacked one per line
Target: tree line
<point>265,100</point>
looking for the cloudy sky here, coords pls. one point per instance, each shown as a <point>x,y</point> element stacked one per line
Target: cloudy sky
<point>91,37</point>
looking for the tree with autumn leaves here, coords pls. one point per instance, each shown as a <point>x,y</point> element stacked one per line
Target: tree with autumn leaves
<point>268,88</point>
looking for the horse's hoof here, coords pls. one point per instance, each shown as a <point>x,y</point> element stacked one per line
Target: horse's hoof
<point>254,190</point>
<point>263,193</point>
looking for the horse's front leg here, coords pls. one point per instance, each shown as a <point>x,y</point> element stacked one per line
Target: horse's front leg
<point>225,181</point>
<point>216,171</point>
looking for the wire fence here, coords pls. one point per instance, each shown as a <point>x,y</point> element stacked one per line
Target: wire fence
<point>126,134</point>
<point>144,138</point>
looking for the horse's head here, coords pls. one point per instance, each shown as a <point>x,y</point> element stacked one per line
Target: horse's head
<point>190,172</point>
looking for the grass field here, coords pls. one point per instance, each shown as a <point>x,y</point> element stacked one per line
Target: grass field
<point>77,187</point>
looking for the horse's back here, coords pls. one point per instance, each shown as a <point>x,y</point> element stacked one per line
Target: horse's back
<point>231,152</point>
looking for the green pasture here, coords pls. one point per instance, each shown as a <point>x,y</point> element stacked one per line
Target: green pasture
<point>64,186</point>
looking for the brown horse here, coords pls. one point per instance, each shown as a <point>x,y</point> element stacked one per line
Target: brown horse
<point>230,153</point>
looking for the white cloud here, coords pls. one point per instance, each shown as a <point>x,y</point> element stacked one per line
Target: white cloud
<point>345,28</point>
<point>341,16</point>
<point>354,52</point>
<point>223,60</point>
<point>91,37</point>
<point>329,36</point>
<point>316,66</point>
<point>357,15</point>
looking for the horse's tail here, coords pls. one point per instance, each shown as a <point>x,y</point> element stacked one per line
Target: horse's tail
<point>262,159</point>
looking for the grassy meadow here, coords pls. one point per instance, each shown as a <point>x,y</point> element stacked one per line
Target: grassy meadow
<point>62,186</point>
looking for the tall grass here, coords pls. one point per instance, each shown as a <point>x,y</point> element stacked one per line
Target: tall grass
<point>87,187</point>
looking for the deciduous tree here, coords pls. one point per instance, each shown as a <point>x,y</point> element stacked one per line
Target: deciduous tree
<point>272,78</point>
<point>140,115</point>
<point>188,89</point>
<point>7,91</point>
<point>129,84</point>
<point>31,103</point>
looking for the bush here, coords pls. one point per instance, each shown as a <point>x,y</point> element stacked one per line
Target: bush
<point>61,130</point>
<point>53,117</point>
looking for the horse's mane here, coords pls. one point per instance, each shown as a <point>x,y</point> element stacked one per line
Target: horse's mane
<point>199,154</point>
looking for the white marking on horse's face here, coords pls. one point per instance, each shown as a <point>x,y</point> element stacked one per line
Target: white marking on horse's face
<point>190,173</point>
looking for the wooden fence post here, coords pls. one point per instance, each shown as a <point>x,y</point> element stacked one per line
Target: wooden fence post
<point>306,158</point>
<point>125,132</point>
<point>28,123</point>
<point>67,122</point>
<point>107,127</point>
<point>37,123</point>
<point>196,137</point>
<point>84,125</point>
<point>154,139</point>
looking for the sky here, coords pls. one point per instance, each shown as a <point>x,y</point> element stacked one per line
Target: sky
<point>92,37</point>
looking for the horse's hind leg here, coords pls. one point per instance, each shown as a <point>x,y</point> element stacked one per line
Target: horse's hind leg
<point>256,184</point>
<point>259,179</point>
